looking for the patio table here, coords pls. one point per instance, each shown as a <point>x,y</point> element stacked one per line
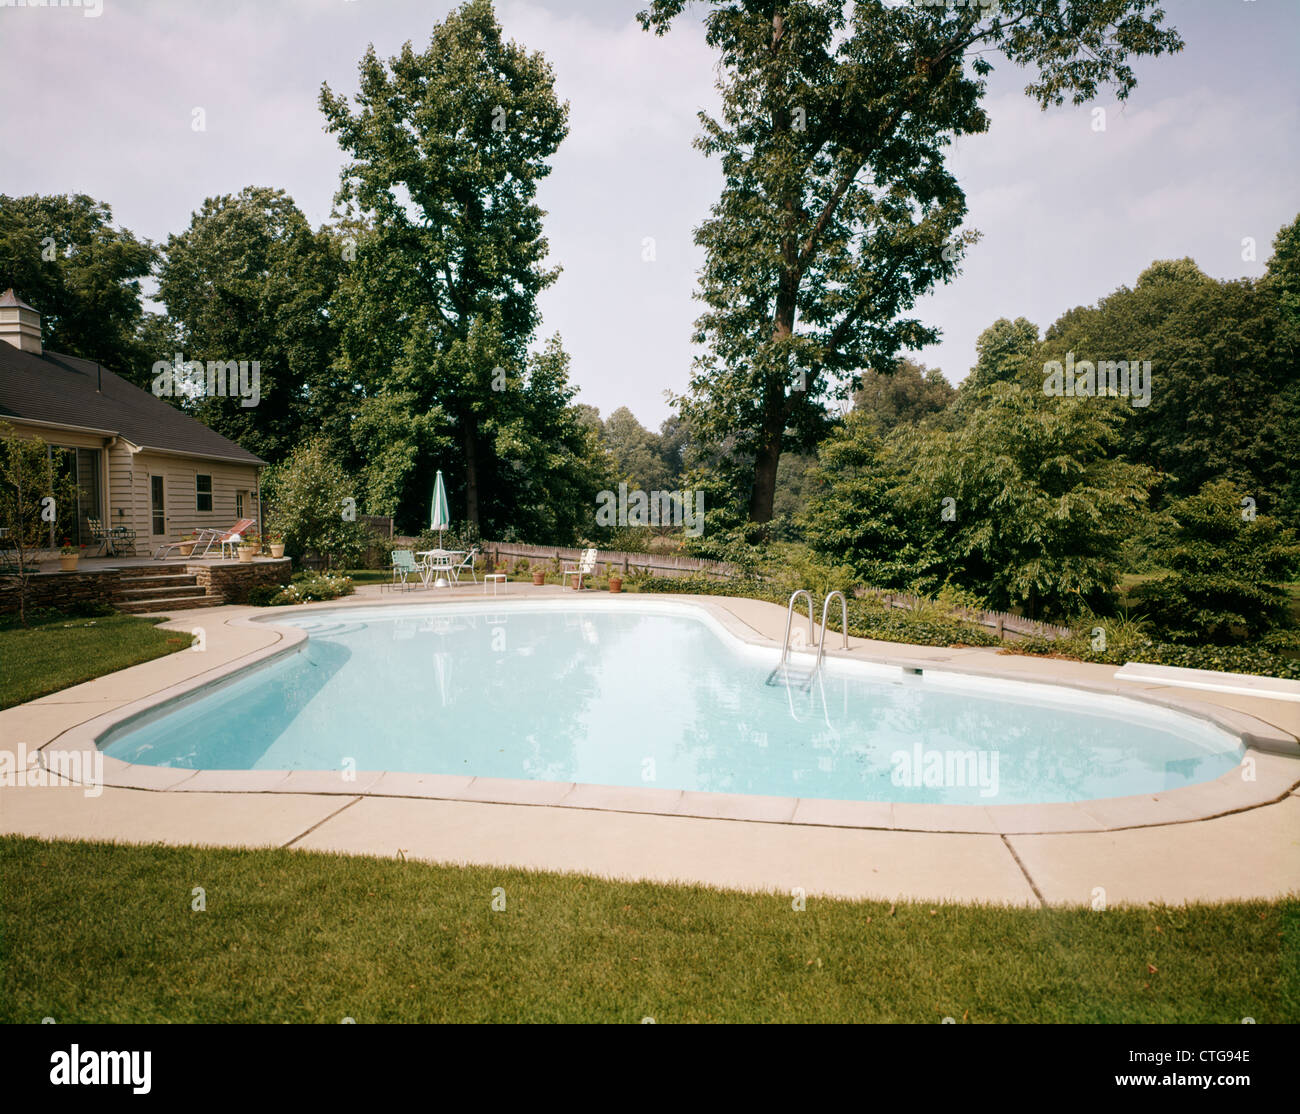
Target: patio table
<point>440,561</point>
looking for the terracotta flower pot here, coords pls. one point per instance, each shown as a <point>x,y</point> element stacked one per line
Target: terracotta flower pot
<point>187,549</point>
<point>248,552</point>
<point>615,583</point>
<point>539,577</point>
<point>69,564</point>
<point>277,550</point>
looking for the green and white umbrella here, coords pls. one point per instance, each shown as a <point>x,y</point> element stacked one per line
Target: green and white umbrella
<point>440,517</point>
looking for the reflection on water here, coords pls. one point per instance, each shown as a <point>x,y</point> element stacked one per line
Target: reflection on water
<point>641,698</point>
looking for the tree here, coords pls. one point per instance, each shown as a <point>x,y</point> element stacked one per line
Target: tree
<point>62,255</point>
<point>446,147</point>
<point>905,396</point>
<point>249,281</point>
<point>1227,564</point>
<point>33,494</point>
<point>639,455</point>
<point>1283,281</point>
<point>552,462</point>
<point>837,210</point>
<point>1224,389</point>
<point>1002,351</point>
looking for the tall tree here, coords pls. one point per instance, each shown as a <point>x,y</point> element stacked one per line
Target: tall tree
<point>250,281</point>
<point>837,210</point>
<point>447,147</point>
<point>63,256</point>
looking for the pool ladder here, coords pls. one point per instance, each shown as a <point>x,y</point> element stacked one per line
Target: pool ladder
<point>803,678</point>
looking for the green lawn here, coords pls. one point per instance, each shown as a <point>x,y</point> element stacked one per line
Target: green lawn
<point>94,932</point>
<point>64,651</point>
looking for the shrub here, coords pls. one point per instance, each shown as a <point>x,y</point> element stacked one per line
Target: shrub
<point>311,587</point>
<point>1226,566</point>
<point>264,595</point>
<point>308,495</point>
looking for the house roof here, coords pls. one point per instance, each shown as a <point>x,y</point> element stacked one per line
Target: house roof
<point>69,391</point>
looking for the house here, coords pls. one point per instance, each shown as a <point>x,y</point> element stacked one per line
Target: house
<point>137,461</point>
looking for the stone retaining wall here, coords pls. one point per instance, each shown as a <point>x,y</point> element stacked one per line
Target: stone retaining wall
<point>230,581</point>
<point>234,582</point>
<point>62,589</point>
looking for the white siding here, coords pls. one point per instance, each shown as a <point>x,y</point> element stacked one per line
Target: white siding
<point>180,492</point>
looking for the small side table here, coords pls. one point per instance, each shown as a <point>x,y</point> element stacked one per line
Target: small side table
<point>494,577</point>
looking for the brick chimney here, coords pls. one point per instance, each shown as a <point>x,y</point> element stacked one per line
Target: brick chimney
<point>20,325</point>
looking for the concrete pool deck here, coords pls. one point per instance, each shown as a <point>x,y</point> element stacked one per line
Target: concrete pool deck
<point>1232,840</point>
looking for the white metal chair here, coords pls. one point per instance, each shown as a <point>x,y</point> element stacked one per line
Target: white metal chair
<point>468,563</point>
<point>585,567</point>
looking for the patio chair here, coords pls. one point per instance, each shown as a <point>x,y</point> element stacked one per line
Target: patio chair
<point>585,567</point>
<point>99,535</point>
<point>468,563</point>
<point>404,564</point>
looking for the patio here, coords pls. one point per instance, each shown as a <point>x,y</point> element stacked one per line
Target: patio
<point>143,585</point>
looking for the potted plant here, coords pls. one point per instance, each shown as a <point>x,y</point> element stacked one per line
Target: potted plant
<point>249,547</point>
<point>275,542</point>
<point>187,543</point>
<point>69,555</point>
<point>539,576</point>
<point>615,581</point>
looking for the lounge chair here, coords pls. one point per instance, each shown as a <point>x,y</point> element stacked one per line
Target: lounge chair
<point>585,567</point>
<point>468,563</point>
<point>231,537</point>
<point>202,538</point>
<point>206,539</point>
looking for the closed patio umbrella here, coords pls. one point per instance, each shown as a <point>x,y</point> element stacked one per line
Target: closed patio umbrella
<point>440,515</point>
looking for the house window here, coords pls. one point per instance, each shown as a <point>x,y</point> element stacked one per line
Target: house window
<point>239,504</point>
<point>203,488</point>
<point>157,506</point>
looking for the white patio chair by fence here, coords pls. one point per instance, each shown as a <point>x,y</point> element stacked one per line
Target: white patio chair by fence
<point>467,564</point>
<point>585,567</point>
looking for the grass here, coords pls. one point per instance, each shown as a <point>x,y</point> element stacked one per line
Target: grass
<point>60,651</point>
<point>96,932</point>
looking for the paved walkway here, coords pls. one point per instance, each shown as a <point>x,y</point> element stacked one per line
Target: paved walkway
<point>1247,854</point>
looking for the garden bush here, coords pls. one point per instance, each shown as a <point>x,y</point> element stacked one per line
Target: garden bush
<point>264,595</point>
<point>310,587</point>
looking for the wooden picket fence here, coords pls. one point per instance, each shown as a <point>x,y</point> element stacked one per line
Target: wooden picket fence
<point>660,564</point>
<point>1002,623</point>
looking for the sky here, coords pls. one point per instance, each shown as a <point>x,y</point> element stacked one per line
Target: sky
<point>1205,154</point>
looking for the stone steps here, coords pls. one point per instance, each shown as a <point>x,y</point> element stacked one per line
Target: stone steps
<point>146,590</point>
<point>168,603</point>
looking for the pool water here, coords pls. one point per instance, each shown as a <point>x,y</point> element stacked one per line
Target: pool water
<point>658,694</point>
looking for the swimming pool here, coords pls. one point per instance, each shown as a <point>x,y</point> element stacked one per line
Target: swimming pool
<point>659,694</point>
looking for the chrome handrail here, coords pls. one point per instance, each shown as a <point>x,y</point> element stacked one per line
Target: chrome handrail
<point>789,618</point>
<point>844,625</point>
